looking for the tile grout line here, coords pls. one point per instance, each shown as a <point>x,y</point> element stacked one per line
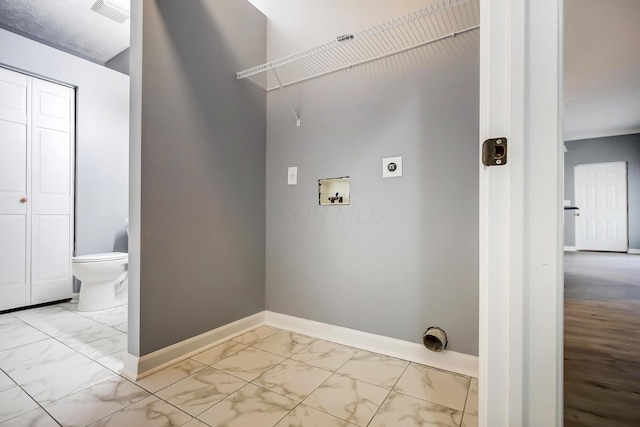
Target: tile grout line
<point>333,373</point>
<point>30,397</point>
<point>466,400</point>
<point>70,348</point>
<point>388,394</point>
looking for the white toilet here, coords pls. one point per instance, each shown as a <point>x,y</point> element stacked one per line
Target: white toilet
<point>104,278</point>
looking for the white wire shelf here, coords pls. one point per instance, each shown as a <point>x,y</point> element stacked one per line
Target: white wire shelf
<point>433,23</point>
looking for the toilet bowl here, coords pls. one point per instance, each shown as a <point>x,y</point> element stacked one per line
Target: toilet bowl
<point>103,277</point>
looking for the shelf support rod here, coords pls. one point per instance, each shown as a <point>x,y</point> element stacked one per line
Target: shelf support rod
<point>284,92</point>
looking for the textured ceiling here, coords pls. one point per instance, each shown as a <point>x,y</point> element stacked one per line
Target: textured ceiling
<point>67,24</point>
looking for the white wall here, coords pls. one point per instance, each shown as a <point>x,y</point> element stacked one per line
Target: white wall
<point>102,120</point>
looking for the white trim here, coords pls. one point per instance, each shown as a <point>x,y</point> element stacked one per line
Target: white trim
<point>500,387</point>
<point>634,251</point>
<point>595,135</point>
<point>570,249</point>
<point>520,215</point>
<point>136,368</point>
<point>447,360</point>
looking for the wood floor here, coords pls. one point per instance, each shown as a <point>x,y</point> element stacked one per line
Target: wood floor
<point>602,340</point>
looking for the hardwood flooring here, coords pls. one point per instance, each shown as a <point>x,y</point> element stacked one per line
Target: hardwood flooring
<point>602,340</point>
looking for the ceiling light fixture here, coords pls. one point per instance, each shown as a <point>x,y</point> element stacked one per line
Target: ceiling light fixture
<point>116,10</point>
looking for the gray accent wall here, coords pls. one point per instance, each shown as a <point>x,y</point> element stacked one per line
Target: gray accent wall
<point>120,62</point>
<point>199,142</point>
<point>102,136</point>
<point>601,150</point>
<point>404,254</point>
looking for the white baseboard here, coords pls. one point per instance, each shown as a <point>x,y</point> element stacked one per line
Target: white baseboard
<point>136,367</point>
<point>446,360</point>
<point>570,249</point>
<point>634,251</point>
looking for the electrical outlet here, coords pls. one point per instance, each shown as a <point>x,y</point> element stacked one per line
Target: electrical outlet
<point>392,167</point>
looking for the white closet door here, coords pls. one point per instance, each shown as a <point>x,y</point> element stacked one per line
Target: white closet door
<point>14,170</point>
<point>52,191</point>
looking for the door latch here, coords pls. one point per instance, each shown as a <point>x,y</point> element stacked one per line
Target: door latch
<point>494,152</point>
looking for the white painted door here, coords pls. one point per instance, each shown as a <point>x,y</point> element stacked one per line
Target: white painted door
<point>14,170</point>
<point>36,190</point>
<point>601,195</point>
<point>52,191</point>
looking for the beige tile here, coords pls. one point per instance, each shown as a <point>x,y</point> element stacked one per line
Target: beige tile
<point>256,335</point>
<point>435,386</point>
<point>249,363</point>
<point>200,391</point>
<point>149,412</point>
<point>471,406</point>
<point>94,403</point>
<point>306,416</point>
<point>469,421</point>
<point>374,368</point>
<point>251,406</point>
<point>348,399</point>
<point>284,343</point>
<point>292,379</point>
<point>196,423</point>
<point>170,375</point>
<point>325,355</point>
<point>400,410</point>
<point>219,352</point>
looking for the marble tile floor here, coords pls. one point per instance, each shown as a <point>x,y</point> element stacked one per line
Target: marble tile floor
<point>59,367</point>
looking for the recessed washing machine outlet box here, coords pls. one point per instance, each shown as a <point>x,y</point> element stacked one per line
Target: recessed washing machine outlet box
<point>392,167</point>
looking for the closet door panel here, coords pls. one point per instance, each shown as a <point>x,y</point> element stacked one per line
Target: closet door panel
<point>14,187</point>
<point>13,261</point>
<point>51,275</point>
<point>52,191</point>
<point>13,167</point>
<point>13,96</point>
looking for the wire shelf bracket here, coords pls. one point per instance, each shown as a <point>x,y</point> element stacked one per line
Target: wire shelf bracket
<point>433,23</point>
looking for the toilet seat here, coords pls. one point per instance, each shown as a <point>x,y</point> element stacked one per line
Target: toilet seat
<point>110,256</point>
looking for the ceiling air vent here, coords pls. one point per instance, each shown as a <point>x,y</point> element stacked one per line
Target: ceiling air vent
<point>117,10</point>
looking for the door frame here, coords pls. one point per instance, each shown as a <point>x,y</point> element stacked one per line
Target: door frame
<point>521,228</point>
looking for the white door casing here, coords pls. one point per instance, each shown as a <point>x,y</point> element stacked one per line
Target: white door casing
<point>15,168</point>
<point>601,195</point>
<point>37,120</point>
<point>520,282</point>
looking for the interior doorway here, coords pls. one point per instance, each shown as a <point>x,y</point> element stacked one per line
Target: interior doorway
<point>602,179</point>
